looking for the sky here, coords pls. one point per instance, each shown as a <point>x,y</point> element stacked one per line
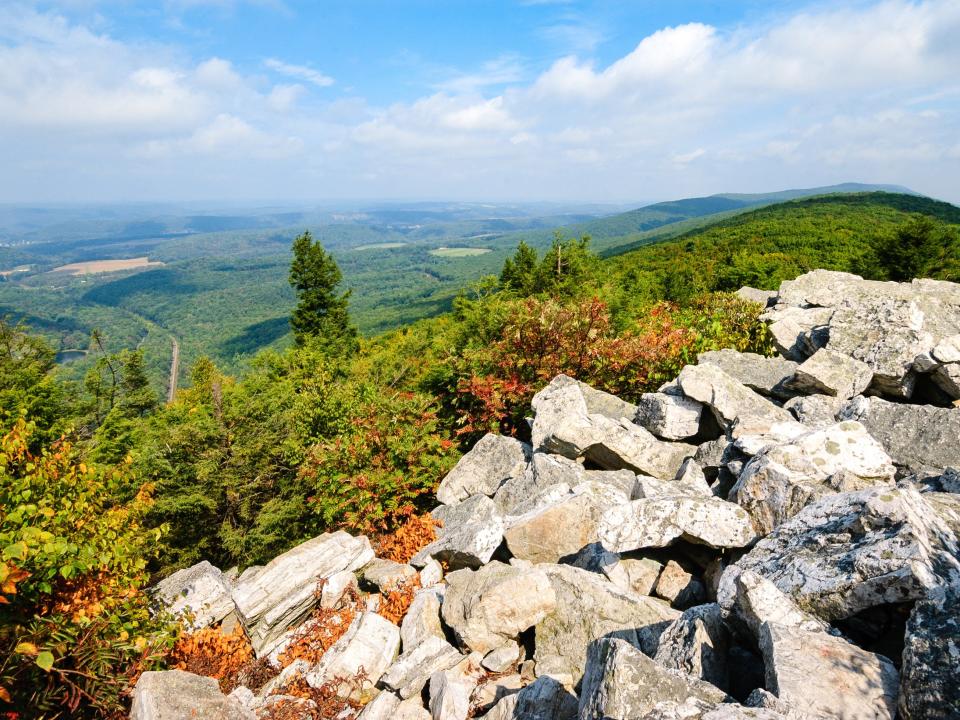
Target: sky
<point>487,100</point>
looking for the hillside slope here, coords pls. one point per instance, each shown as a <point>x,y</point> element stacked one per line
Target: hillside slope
<point>762,247</point>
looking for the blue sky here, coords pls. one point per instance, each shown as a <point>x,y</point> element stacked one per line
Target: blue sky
<point>524,100</point>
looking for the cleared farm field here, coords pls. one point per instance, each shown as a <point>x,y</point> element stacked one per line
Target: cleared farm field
<point>104,266</point>
<point>459,252</point>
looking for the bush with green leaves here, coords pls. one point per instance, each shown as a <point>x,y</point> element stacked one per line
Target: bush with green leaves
<point>74,621</point>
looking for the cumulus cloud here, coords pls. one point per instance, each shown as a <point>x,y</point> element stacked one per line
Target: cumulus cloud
<point>864,91</point>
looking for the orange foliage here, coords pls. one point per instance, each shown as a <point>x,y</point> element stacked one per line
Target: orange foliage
<point>324,627</point>
<point>395,604</point>
<point>332,698</point>
<point>413,535</point>
<point>213,653</point>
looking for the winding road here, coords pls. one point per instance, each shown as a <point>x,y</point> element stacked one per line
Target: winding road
<point>174,371</point>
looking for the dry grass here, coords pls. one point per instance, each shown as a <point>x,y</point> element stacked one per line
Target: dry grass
<point>408,539</point>
<point>213,653</point>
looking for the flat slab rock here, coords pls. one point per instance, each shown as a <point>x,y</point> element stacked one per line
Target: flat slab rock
<point>849,552</point>
<point>282,593</point>
<point>737,408</point>
<point>491,462</point>
<point>621,683</point>
<point>828,372</point>
<point>766,375</point>
<point>472,531</point>
<point>657,522</point>
<point>179,695</point>
<point>563,527</point>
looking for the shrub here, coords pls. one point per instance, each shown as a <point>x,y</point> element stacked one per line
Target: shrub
<point>545,337</point>
<point>74,623</point>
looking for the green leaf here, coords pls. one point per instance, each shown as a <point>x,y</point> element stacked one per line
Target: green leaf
<point>45,660</point>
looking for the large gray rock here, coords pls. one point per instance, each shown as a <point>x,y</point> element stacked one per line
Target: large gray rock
<point>696,643</point>
<point>637,575</point>
<point>827,676</point>
<point>589,607</point>
<point>178,695</point>
<point>412,670</point>
<point>563,527</point>
<point>921,439</point>
<point>370,644</point>
<point>754,600</point>
<point>543,699</point>
<point>659,521</point>
<point>422,620</point>
<point>693,709</point>
<point>931,655</point>
<point>451,690</point>
<point>670,417</point>
<point>545,471</point>
<point>755,295</point>
<point>282,593</point>
<point>798,332</point>
<point>783,478</point>
<point>200,592</point>
<point>815,411</point>
<point>603,403</point>
<point>621,683</point>
<point>491,462</point>
<point>489,606</point>
<point>738,408</point>
<point>828,372</point>
<point>849,552</point>
<point>564,426</point>
<point>472,531</point>
<point>765,375</point>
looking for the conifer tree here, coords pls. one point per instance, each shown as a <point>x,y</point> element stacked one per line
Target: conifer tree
<point>321,310</point>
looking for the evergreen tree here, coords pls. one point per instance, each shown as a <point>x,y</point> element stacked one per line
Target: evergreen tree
<point>137,398</point>
<point>27,386</point>
<point>321,310</point>
<point>918,248</point>
<point>565,267</point>
<point>520,272</point>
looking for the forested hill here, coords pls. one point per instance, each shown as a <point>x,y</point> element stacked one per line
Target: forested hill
<point>762,247</point>
<point>637,226</point>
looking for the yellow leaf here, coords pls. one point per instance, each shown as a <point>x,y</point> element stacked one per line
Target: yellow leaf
<point>4,695</point>
<point>26,648</point>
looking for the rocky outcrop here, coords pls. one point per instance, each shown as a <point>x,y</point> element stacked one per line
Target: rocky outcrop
<point>282,593</point>
<point>615,569</point>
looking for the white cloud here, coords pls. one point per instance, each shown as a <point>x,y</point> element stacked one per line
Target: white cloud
<point>299,72</point>
<point>866,91</point>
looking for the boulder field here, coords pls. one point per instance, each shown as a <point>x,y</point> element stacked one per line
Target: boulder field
<point>764,537</point>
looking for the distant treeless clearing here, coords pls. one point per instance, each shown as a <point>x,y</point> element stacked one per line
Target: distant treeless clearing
<point>381,246</point>
<point>104,266</point>
<point>459,252</point>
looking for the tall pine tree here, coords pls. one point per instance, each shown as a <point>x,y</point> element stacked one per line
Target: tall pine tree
<point>321,311</point>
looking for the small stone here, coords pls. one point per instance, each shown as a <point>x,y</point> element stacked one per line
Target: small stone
<point>388,576</point>
<point>422,620</point>
<point>697,643</point>
<point>502,658</point>
<point>636,575</point>
<point>679,587</point>
<point>200,591</point>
